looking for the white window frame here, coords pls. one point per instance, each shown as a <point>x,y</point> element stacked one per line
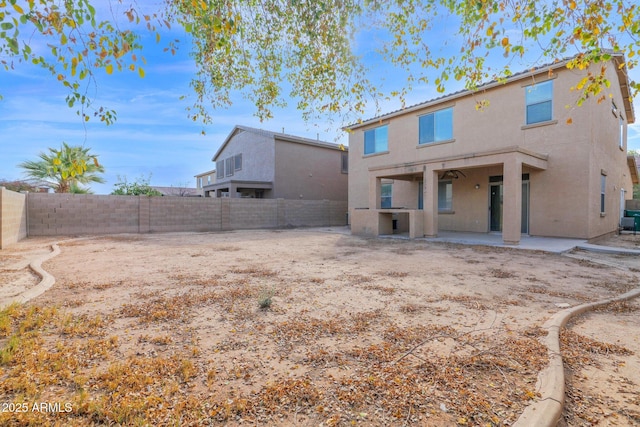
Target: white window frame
<point>621,129</point>
<point>229,166</point>
<point>380,145</point>
<point>436,126</point>
<point>389,197</point>
<point>447,206</point>
<point>529,89</point>
<point>220,169</point>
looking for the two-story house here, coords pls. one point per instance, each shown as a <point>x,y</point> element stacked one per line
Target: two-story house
<point>203,179</point>
<point>527,162</point>
<point>256,163</point>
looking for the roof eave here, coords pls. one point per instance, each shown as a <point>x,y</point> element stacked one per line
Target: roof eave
<point>226,141</point>
<point>633,169</point>
<point>623,79</point>
<point>618,59</point>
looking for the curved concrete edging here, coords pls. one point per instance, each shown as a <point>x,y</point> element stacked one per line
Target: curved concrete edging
<point>46,279</point>
<point>547,410</point>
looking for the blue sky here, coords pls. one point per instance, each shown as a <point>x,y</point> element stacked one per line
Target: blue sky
<point>153,136</point>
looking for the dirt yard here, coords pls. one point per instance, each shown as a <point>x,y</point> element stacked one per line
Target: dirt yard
<point>309,327</point>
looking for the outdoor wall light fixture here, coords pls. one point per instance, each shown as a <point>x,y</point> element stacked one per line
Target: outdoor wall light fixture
<point>477,186</point>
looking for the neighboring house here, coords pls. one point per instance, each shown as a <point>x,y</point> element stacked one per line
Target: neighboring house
<point>255,163</point>
<point>30,185</point>
<point>177,191</point>
<point>203,179</point>
<point>523,164</point>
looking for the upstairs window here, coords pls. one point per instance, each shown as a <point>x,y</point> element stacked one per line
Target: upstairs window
<point>229,166</point>
<point>618,114</point>
<point>344,162</point>
<point>436,126</point>
<point>621,126</point>
<point>238,161</point>
<point>376,140</point>
<point>539,100</point>
<point>220,169</point>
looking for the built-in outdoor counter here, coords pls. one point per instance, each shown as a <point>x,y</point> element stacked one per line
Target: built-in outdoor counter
<point>377,222</point>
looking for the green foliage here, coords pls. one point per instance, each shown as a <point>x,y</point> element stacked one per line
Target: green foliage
<point>272,50</point>
<point>76,45</point>
<point>636,187</point>
<point>546,31</point>
<point>140,187</point>
<point>66,169</point>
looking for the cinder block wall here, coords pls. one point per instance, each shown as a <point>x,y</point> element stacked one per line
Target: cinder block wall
<point>168,214</point>
<point>253,213</point>
<point>69,214</point>
<point>13,217</point>
<point>633,205</point>
<point>307,213</point>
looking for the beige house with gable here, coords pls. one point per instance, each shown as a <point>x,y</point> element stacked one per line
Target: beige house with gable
<point>523,164</point>
<point>256,163</point>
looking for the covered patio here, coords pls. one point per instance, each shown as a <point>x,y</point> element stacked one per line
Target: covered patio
<point>422,212</point>
<point>237,189</point>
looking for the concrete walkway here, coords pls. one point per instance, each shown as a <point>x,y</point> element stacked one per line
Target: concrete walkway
<point>547,244</point>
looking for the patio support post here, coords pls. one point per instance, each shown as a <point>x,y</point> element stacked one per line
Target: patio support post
<point>375,191</point>
<point>512,205</point>
<point>233,190</point>
<point>430,202</point>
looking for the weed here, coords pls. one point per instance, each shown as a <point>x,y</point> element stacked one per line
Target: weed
<point>502,274</point>
<point>166,308</point>
<point>467,301</point>
<point>265,299</point>
<point>394,273</point>
<point>411,308</point>
<point>385,290</point>
<point>157,340</point>
<point>5,319</point>
<point>255,271</point>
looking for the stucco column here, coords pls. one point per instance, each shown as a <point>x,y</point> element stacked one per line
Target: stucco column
<point>375,188</point>
<point>430,202</point>
<point>512,205</point>
<point>233,190</point>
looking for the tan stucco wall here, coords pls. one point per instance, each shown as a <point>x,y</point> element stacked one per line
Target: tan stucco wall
<point>309,172</point>
<point>565,198</point>
<point>605,155</point>
<point>13,217</point>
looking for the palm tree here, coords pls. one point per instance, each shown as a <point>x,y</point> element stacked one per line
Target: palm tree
<point>66,169</point>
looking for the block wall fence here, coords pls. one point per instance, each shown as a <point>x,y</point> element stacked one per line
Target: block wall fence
<point>633,205</point>
<point>41,214</point>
